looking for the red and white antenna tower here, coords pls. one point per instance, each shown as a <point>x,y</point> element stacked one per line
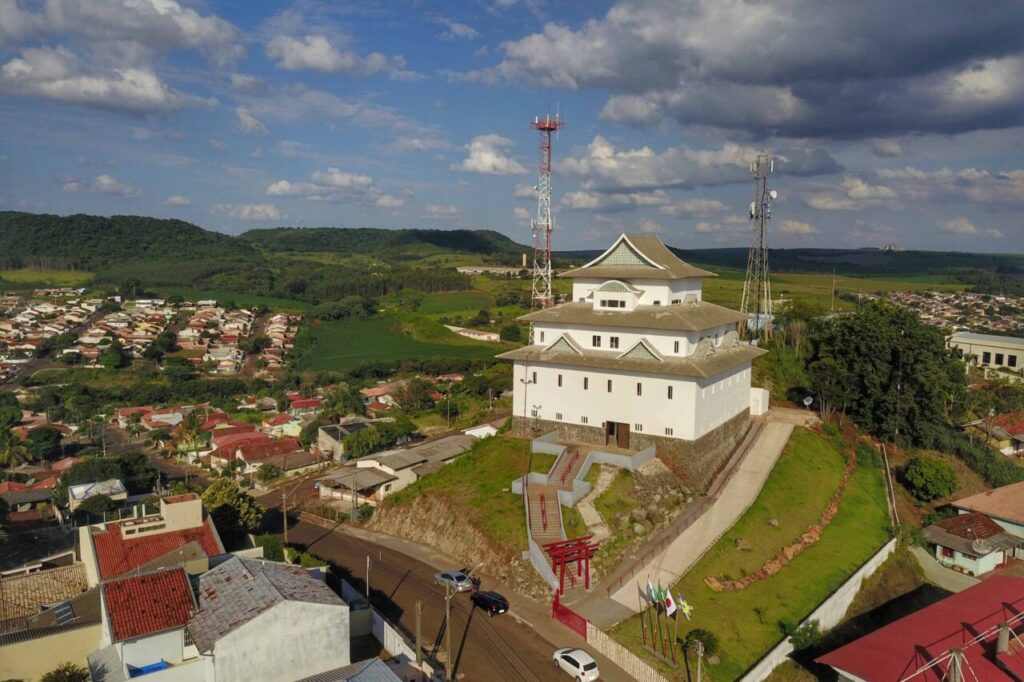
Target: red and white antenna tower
<point>543,223</point>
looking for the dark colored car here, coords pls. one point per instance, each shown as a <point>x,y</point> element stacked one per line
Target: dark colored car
<point>491,602</point>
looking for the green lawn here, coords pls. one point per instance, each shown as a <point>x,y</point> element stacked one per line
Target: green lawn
<point>616,499</point>
<point>449,302</point>
<point>344,344</point>
<point>795,493</point>
<point>284,305</point>
<point>45,278</point>
<point>476,488</point>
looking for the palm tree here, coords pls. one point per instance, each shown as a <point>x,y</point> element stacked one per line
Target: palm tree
<point>12,452</point>
<point>191,432</point>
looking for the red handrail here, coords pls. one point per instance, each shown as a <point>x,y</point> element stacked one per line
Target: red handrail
<point>568,468</point>
<point>543,512</point>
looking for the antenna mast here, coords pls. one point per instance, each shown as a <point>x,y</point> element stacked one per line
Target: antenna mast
<point>543,223</point>
<point>757,290</point>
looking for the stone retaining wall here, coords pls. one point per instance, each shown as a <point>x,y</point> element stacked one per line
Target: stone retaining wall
<point>630,663</point>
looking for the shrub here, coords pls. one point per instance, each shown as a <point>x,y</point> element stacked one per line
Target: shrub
<point>929,479</point>
<point>273,548</point>
<point>67,672</point>
<point>511,332</point>
<point>705,637</point>
<point>803,636</point>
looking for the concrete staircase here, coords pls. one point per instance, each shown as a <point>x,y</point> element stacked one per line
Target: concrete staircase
<point>565,469</point>
<point>545,514</point>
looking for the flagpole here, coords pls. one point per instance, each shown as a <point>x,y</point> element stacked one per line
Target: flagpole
<point>675,637</point>
<point>650,604</point>
<point>643,625</point>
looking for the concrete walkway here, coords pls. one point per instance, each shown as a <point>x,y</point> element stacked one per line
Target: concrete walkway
<point>739,493</point>
<point>939,575</point>
<point>595,524</point>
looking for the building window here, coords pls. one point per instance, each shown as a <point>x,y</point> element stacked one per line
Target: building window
<point>676,301</point>
<point>586,383</point>
<point>609,385</point>
<point>999,358</point>
<point>542,337</point>
<point>558,416</point>
<point>533,413</point>
<point>559,380</point>
<point>675,347</point>
<point>188,638</point>
<point>670,393</point>
<point>1011,360</point>
<point>534,378</point>
<point>584,420</point>
<point>948,553</point>
<point>639,388</point>
<point>668,430</point>
<point>986,357</point>
<point>638,427</point>
<point>595,341</point>
<point>657,303</point>
<point>583,299</point>
<point>613,342</point>
<point>612,303</point>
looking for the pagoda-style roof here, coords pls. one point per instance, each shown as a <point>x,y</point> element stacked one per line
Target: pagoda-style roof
<point>638,256</point>
<point>640,359</point>
<point>683,317</point>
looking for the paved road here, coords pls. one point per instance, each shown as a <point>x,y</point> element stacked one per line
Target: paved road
<point>482,648</point>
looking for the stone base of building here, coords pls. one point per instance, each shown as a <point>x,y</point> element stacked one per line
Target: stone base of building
<point>694,461</point>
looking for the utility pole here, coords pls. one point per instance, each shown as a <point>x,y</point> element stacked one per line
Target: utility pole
<point>284,512</point>
<point>700,657</point>
<point>419,632</point>
<point>448,630</point>
<point>367,577</point>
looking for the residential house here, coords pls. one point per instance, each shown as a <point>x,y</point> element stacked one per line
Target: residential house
<point>301,406</point>
<point>972,543</point>
<point>384,393</point>
<point>282,424</point>
<point>112,488</point>
<point>1004,505</point>
<point>331,438</point>
<point>923,645</point>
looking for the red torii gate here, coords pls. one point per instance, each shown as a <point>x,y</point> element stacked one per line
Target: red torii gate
<point>564,552</point>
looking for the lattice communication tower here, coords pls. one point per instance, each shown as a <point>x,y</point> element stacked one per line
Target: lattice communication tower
<point>543,224</point>
<point>757,289</point>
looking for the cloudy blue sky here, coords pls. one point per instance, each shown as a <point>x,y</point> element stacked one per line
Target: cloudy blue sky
<point>890,122</point>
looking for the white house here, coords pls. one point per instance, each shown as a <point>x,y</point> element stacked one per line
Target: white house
<point>971,543</point>
<point>113,488</point>
<point>637,358</point>
<point>1003,505</point>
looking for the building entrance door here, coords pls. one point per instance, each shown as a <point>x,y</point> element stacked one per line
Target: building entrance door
<point>617,434</point>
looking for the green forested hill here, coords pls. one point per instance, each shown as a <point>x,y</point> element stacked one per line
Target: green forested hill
<point>381,242</point>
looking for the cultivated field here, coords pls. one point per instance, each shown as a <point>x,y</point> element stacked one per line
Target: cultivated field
<point>242,300</point>
<point>31,277</point>
<point>455,301</point>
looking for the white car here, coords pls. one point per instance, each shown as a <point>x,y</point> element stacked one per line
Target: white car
<point>577,663</point>
<point>458,580</point>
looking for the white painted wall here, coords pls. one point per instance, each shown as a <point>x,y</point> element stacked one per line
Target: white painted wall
<point>662,341</point>
<point>290,641</point>
<point>405,476</point>
<point>695,408</point>
<point>652,290</point>
<point>164,646</point>
<point>973,565</point>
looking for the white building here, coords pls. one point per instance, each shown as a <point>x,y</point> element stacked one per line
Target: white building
<point>638,358</point>
<point>989,350</point>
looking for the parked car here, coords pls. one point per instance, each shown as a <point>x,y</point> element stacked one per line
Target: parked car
<point>458,580</point>
<point>491,602</point>
<point>577,663</point>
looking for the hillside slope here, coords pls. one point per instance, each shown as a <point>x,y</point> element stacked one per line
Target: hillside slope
<point>381,242</point>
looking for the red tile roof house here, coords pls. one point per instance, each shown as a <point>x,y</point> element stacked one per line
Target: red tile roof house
<point>972,543</point>
<point>144,619</point>
<point>124,414</point>
<point>304,406</point>
<point>1004,505</point>
<point>181,534</point>
<point>255,454</point>
<point>976,629</point>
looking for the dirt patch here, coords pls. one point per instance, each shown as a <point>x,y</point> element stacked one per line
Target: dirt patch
<point>910,510</point>
<point>431,521</point>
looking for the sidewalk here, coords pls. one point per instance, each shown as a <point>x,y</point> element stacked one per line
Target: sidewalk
<point>736,498</point>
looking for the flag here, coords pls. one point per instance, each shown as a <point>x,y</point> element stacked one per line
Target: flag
<point>684,607</point>
<point>651,593</point>
<point>662,593</point>
<point>670,604</point>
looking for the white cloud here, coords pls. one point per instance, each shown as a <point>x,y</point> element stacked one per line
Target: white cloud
<point>315,52</point>
<point>217,144</point>
<point>177,200</point>
<point>981,186</point>
<point>521,214</point>
<point>249,124</point>
<point>249,211</point>
<point>407,143</point>
<point>853,193</point>
<point>57,74</point>
<point>796,227</point>
<point>525,192</point>
<point>700,207</point>
<point>454,29</point>
<point>103,184</point>
<point>881,146</point>
<point>963,226</point>
<point>489,154</point>
<point>619,201</point>
<point>441,212</point>
<point>649,226</point>
<point>389,201</point>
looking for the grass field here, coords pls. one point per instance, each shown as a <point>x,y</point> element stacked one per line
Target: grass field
<point>476,488</point>
<point>747,622</point>
<point>344,344</point>
<point>31,277</point>
<point>284,305</point>
<point>453,301</point>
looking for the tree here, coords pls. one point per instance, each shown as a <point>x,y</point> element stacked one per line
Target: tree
<point>94,508</point>
<point>268,472</point>
<point>234,512</point>
<point>511,332</point>
<point>416,395</point>
<point>897,376</point>
<point>113,356</point>
<point>4,512</point>
<point>929,479</point>
<point>12,452</point>
<point>44,443</point>
<point>273,547</point>
<point>67,672</point>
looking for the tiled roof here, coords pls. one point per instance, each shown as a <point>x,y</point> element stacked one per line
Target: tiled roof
<point>258,451</point>
<point>370,670</point>
<point>973,526</point>
<point>895,651</point>
<point>117,555</point>
<point>666,264</point>
<point>304,403</point>
<point>1005,503</point>
<point>229,442</point>
<point>145,604</point>
<point>184,497</point>
<point>278,419</point>
<point>12,486</point>
<point>675,317</point>
<point>239,590</point>
<point>22,595</point>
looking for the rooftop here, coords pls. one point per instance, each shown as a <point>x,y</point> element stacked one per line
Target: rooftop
<point>21,596</point>
<point>991,339</point>
<point>686,317</point>
<point>358,478</point>
<point>1006,503</point>
<point>239,590</point>
<point>113,486</point>
<point>145,604</point>
<point>897,650</point>
<point>973,534</point>
<point>638,256</point>
<point>117,555</point>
